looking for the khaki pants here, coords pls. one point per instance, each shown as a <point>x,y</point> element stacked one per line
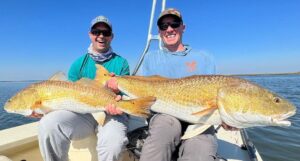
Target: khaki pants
<point>164,137</point>
<point>58,128</point>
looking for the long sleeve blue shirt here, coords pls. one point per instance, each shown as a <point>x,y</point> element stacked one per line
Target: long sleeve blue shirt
<point>177,64</point>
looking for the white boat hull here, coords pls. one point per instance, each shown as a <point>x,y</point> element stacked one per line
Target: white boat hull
<point>21,143</point>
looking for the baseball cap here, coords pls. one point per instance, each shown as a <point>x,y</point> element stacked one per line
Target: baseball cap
<point>102,19</point>
<point>170,11</point>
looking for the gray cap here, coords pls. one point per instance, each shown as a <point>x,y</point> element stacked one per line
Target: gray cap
<point>171,12</point>
<point>102,19</point>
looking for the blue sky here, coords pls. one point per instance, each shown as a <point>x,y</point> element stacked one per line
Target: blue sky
<point>39,38</point>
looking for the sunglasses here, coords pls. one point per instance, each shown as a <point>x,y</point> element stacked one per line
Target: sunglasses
<point>97,32</point>
<point>164,26</point>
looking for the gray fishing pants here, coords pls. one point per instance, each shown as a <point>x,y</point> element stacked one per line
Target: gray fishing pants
<point>164,137</point>
<point>58,128</point>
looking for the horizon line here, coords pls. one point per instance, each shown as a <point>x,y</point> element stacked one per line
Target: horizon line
<point>257,74</point>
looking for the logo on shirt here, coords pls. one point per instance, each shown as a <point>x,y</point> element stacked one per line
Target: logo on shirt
<point>191,66</point>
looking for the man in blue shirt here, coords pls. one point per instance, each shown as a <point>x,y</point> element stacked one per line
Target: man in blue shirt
<point>174,61</point>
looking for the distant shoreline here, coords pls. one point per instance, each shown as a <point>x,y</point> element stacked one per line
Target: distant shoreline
<point>261,74</point>
<point>266,74</point>
<point>22,81</point>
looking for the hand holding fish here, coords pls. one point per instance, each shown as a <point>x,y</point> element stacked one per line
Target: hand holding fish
<point>228,128</point>
<point>112,83</point>
<point>35,115</point>
<point>112,109</point>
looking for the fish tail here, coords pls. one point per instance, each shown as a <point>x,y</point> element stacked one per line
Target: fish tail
<point>102,74</point>
<point>138,107</point>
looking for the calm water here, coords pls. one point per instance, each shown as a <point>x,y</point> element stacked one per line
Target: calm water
<point>7,120</point>
<point>279,143</point>
<point>273,143</point>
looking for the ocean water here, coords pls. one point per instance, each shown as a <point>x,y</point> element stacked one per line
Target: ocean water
<point>279,143</point>
<point>273,143</point>
<point>7,90</point>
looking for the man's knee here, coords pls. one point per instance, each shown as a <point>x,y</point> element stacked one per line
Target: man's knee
<point>110,147</point>
<point>164,136</point>
<point>112,144</point>
<point>112,139</point>
<point>201,148</point>
<point>165,128</point>
<point>47,125</point>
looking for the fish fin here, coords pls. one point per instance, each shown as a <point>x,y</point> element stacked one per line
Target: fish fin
<point>151,78</point>
<point>39,108</point>
<point>138,107</point>
<point>102,74</point>
<point>88,82</point>
<point>194,130</point>
<point>100,117</point>
<point>158,77</point>
<point>84,81</point>
<point>59,76</point>
<point>205,111</point>
<point>37,104</point>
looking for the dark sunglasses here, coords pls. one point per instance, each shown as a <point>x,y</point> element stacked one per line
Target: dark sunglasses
<point>164,26</point>
<point>97,32</point>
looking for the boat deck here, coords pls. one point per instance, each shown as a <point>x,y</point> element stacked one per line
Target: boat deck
<point>20,143</point>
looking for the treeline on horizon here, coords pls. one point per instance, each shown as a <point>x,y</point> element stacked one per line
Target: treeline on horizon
<point>266,74</point>
<point>261,74</point>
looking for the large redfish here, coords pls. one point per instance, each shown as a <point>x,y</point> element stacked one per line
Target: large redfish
<point>82,97</point>
<point>209,99</point>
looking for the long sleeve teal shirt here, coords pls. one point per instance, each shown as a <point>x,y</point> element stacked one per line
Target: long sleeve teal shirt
<point>116,64</point>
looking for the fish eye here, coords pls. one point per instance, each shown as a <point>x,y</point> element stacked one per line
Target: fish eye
<point>277,100</point>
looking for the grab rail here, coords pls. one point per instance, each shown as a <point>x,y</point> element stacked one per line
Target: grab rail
<point>248,145</point>
<point>150,35</point>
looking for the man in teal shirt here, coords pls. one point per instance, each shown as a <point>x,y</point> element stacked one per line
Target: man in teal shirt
<point>58,128</point>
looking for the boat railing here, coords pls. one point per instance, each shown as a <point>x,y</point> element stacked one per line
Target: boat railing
<point>150,36</point>
<point>248,145</point>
